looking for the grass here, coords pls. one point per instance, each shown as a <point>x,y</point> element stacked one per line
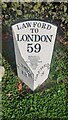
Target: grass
<point>50,101</point>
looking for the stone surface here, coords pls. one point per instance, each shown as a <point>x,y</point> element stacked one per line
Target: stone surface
<point>33,43</point>
<point>2,70</point>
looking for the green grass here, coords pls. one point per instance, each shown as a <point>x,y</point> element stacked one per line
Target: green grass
<point>48,103</point>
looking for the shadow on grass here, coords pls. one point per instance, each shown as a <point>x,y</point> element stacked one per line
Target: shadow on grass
<point>8,49</point>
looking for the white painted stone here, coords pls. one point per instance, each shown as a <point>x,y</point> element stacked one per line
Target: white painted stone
<point>33,43</point>
<point>2,70</point>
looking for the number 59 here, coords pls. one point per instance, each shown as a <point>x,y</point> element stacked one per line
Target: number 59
<point>36,48</point>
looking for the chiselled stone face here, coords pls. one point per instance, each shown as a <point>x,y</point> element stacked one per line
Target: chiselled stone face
<point>33,43</point>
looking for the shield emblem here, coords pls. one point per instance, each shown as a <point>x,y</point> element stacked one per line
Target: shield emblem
<point>33,43</point>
